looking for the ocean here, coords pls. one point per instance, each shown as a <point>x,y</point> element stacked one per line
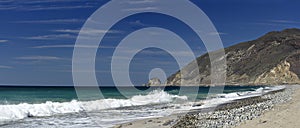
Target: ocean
<point>60,107</point>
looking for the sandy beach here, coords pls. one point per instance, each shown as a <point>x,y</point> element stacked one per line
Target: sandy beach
<point>282,116</point>
<point>279,111</point>
<point>161,122</point>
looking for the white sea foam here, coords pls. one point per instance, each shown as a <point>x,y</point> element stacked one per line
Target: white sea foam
<point>226,98</point>
<point>20,111</point>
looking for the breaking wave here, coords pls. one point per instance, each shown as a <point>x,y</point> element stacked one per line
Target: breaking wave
<point>49,108</point>
<point>23,110</point>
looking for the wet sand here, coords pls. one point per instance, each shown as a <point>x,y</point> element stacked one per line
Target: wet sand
<point>282,116</point>
<point>161,122</point>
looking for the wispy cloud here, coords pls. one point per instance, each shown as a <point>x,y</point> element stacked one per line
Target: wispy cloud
<point>38,58</point>
<point>87,31</point>
<point>82,71</point>
<point>37,8</point>
<point>6,1</point>
<point>178,53</point>
<point>71,46</point>
<point>5,67</point>
<point>71,34</point>
<point>271,24</point>
<point>52,21</point>
<point>216,33</point>
<point>140,1</point>
<point>150,52</point>
<point>36,1</point>
<point>38,5</point>
<point>147,5</point>
<point>51,37</point>
<point>278,22</point>
<point>120,57</point>
<point>138,23</point>
<point>141,9</point>
<point>285,21</point>
<point>3,41</point>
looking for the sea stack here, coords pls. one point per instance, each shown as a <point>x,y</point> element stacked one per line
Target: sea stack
<point>153,82</point>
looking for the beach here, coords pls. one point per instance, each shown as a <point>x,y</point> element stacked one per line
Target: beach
<point>36,105</point>
<point>275,109</point>
<point>282,116</point>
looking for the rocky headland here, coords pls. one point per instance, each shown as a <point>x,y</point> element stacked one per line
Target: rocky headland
<point>272,59</point>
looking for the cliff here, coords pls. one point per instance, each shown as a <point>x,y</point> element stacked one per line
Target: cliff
<point>269,60</point>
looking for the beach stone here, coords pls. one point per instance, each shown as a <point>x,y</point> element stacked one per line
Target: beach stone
<point>233,114</point>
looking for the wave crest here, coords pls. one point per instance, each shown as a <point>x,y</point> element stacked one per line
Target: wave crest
<point>21,111</point>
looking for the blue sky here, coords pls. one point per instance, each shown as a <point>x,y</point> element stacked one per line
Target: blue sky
<point>37,36</point>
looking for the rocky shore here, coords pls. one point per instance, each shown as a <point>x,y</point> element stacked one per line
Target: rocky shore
<point>228,115</point>
<point>231,115</point>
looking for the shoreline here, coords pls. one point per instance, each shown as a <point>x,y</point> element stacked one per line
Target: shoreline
<point>226,115</point>
<point>281,116</point>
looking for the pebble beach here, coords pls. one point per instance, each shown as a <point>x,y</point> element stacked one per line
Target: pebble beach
<point>238,113</point>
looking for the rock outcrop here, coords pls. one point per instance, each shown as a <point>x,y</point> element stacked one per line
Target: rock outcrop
<point>153,82</point>
<point>269,60</point>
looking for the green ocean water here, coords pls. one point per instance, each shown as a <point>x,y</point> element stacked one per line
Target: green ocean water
<point>40,106</point>
<point>34,95</point>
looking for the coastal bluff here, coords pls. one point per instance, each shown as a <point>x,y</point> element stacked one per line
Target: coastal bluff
<point>272,59</point>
